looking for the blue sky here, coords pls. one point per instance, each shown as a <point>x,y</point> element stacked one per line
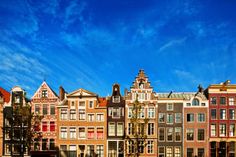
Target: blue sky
<point>92,44</point>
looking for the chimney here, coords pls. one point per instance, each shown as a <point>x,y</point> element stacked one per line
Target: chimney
<point>61,93</point>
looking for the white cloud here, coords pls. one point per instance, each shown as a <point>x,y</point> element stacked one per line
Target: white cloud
<point>172,43</point>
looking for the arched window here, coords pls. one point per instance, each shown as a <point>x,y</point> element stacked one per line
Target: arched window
<point>195,102</point>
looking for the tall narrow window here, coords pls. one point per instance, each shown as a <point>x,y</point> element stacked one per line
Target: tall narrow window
<point>169,118</point>
<point>178,134</point>
<point>195,102</point>
<point>161,134</point>
<point>231,114</point>
<point>130,128</point>
<point>100,133</point>
<point>52,126</point>
<point>44,93</point>
<point>190,117</point>
<point>63,132</point>
<point>100,117</point>
<point>37,109</point>
<point>90,104</point>
<point>169,107</point>
<point>178,117</point>
<point>169,152</point>
<point>201,135</point>
<point>150,146</point>
<point>91,133</point>
<point>52,109</point>
<point>232,130</point>
<point>91,117</point>
<point>213,114</point>
<point>201,117</point>
<point>82,133</point>
<point>213,100</point>
<point>72,133</point>
<point>151,112</point>
<point>82,114</point>
<point>116,112</point>
<point>223,114</point>
<point>190,134</point>
<point>161,117</point>
<point>111,129</point>
<point>45,109</point>
<point>130,112</point>
<point>120,129</point>
<point>150,128</point>
<point>64,114</point>
<point>44,126</point>
<point>72,114</point>
<point>222,130</point>
<point>100,151</point>
<point>222,100</point>
<point>231,101</point>
<point>169,134</point>
<point>177,152</point>
<point>213,130</point>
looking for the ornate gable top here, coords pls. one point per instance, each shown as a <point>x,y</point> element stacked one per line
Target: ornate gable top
<point>82,92</point>
<point>141,81</point>
<point>44,91</point>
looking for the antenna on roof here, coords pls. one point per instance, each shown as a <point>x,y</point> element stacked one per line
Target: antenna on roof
<point>170,94</point>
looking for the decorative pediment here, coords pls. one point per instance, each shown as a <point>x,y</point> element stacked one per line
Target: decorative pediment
<point>82,92</point>
<point>44,92</point>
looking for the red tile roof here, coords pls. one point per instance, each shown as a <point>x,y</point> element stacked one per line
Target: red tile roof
<point>102,102</point>
<point>5,94</point>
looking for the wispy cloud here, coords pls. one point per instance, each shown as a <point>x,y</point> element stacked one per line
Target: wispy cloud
<point>172,43</point>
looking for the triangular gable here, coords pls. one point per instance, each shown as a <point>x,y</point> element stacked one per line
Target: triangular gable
<point>82,92</point>
<point>44,86</point>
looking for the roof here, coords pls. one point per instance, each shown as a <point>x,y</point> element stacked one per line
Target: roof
<point>82,92</point>
<point>102,102</point>
<point>5,94</point>
<point>181,95</point>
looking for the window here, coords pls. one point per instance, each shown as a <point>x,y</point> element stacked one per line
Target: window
<point>52,126</point>
<point>141,146</point>
<point>109,111</point>
<point>130,147</point>
<point>130,112</point>
<point>169,118</point>
<point>213,100</point>
<point>213,129</point>
<point>169,132</point>
<point>52,109</point>
<point>7,149</point>
<point>151,112</point>
<point>37,109</point>
<point>213,149</point>
<point>190,117</point>
<point>150,146</point>
<point>169,107</point>
<point>232,130</point>
<point>82,114</point>
<point>150,128</point>
<point>201,117</point>
<point>190,134</point>
<point>72,114</point>
<point>90,104</point>
<point>100,133</point>
<point>130,128</point>
<point>82,133</point>
<point>177,117</point>
<point>120,129</point>
<point>72,133</point>
<point>231,101</point>
<point>213,113</point>
<point>141,113</point>
<point>161,118</point>
<point>201,135</point>
<point>52,144</point>
<point>178,134</point>
<point>82,104</point>
<point>177,152</point>
<point>189,152</point>
<point>90,150</point>
<point>231,114</point>
<point>116,112</point>
<point>195,102</point>
<point>111,129</point>
<point>100,117</point>
<point>222,130</point>
<point>45,109</point>
<point>72,151</point>
<point>44,144</point>
<point>200,152</point>
<point>161,151</point>
<point>91,133</point>
<point>203,104</point>
<point>161,134</point>
<point>169,152</point>
<point>44,93</point>
<point>44,126</point>
<point>116,99</point>
<point>222,100</point>
<point>188,104</point>
<point>223,114</point>
<point>63,132</point>
<point>100,151</point>
<point>90,117</point>
<point>64,114</point>
<point>72,106</point>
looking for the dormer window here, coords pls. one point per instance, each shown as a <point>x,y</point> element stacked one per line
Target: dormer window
<point>44,93</point>
<point>141,84</point>
<point>116,99</point>
<point>195,102</point>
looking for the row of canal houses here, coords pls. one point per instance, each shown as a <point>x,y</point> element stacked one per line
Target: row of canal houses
<point>80,123</point>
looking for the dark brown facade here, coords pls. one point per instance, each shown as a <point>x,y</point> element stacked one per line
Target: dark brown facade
<point>115,123</point>
<point>170,126</point>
